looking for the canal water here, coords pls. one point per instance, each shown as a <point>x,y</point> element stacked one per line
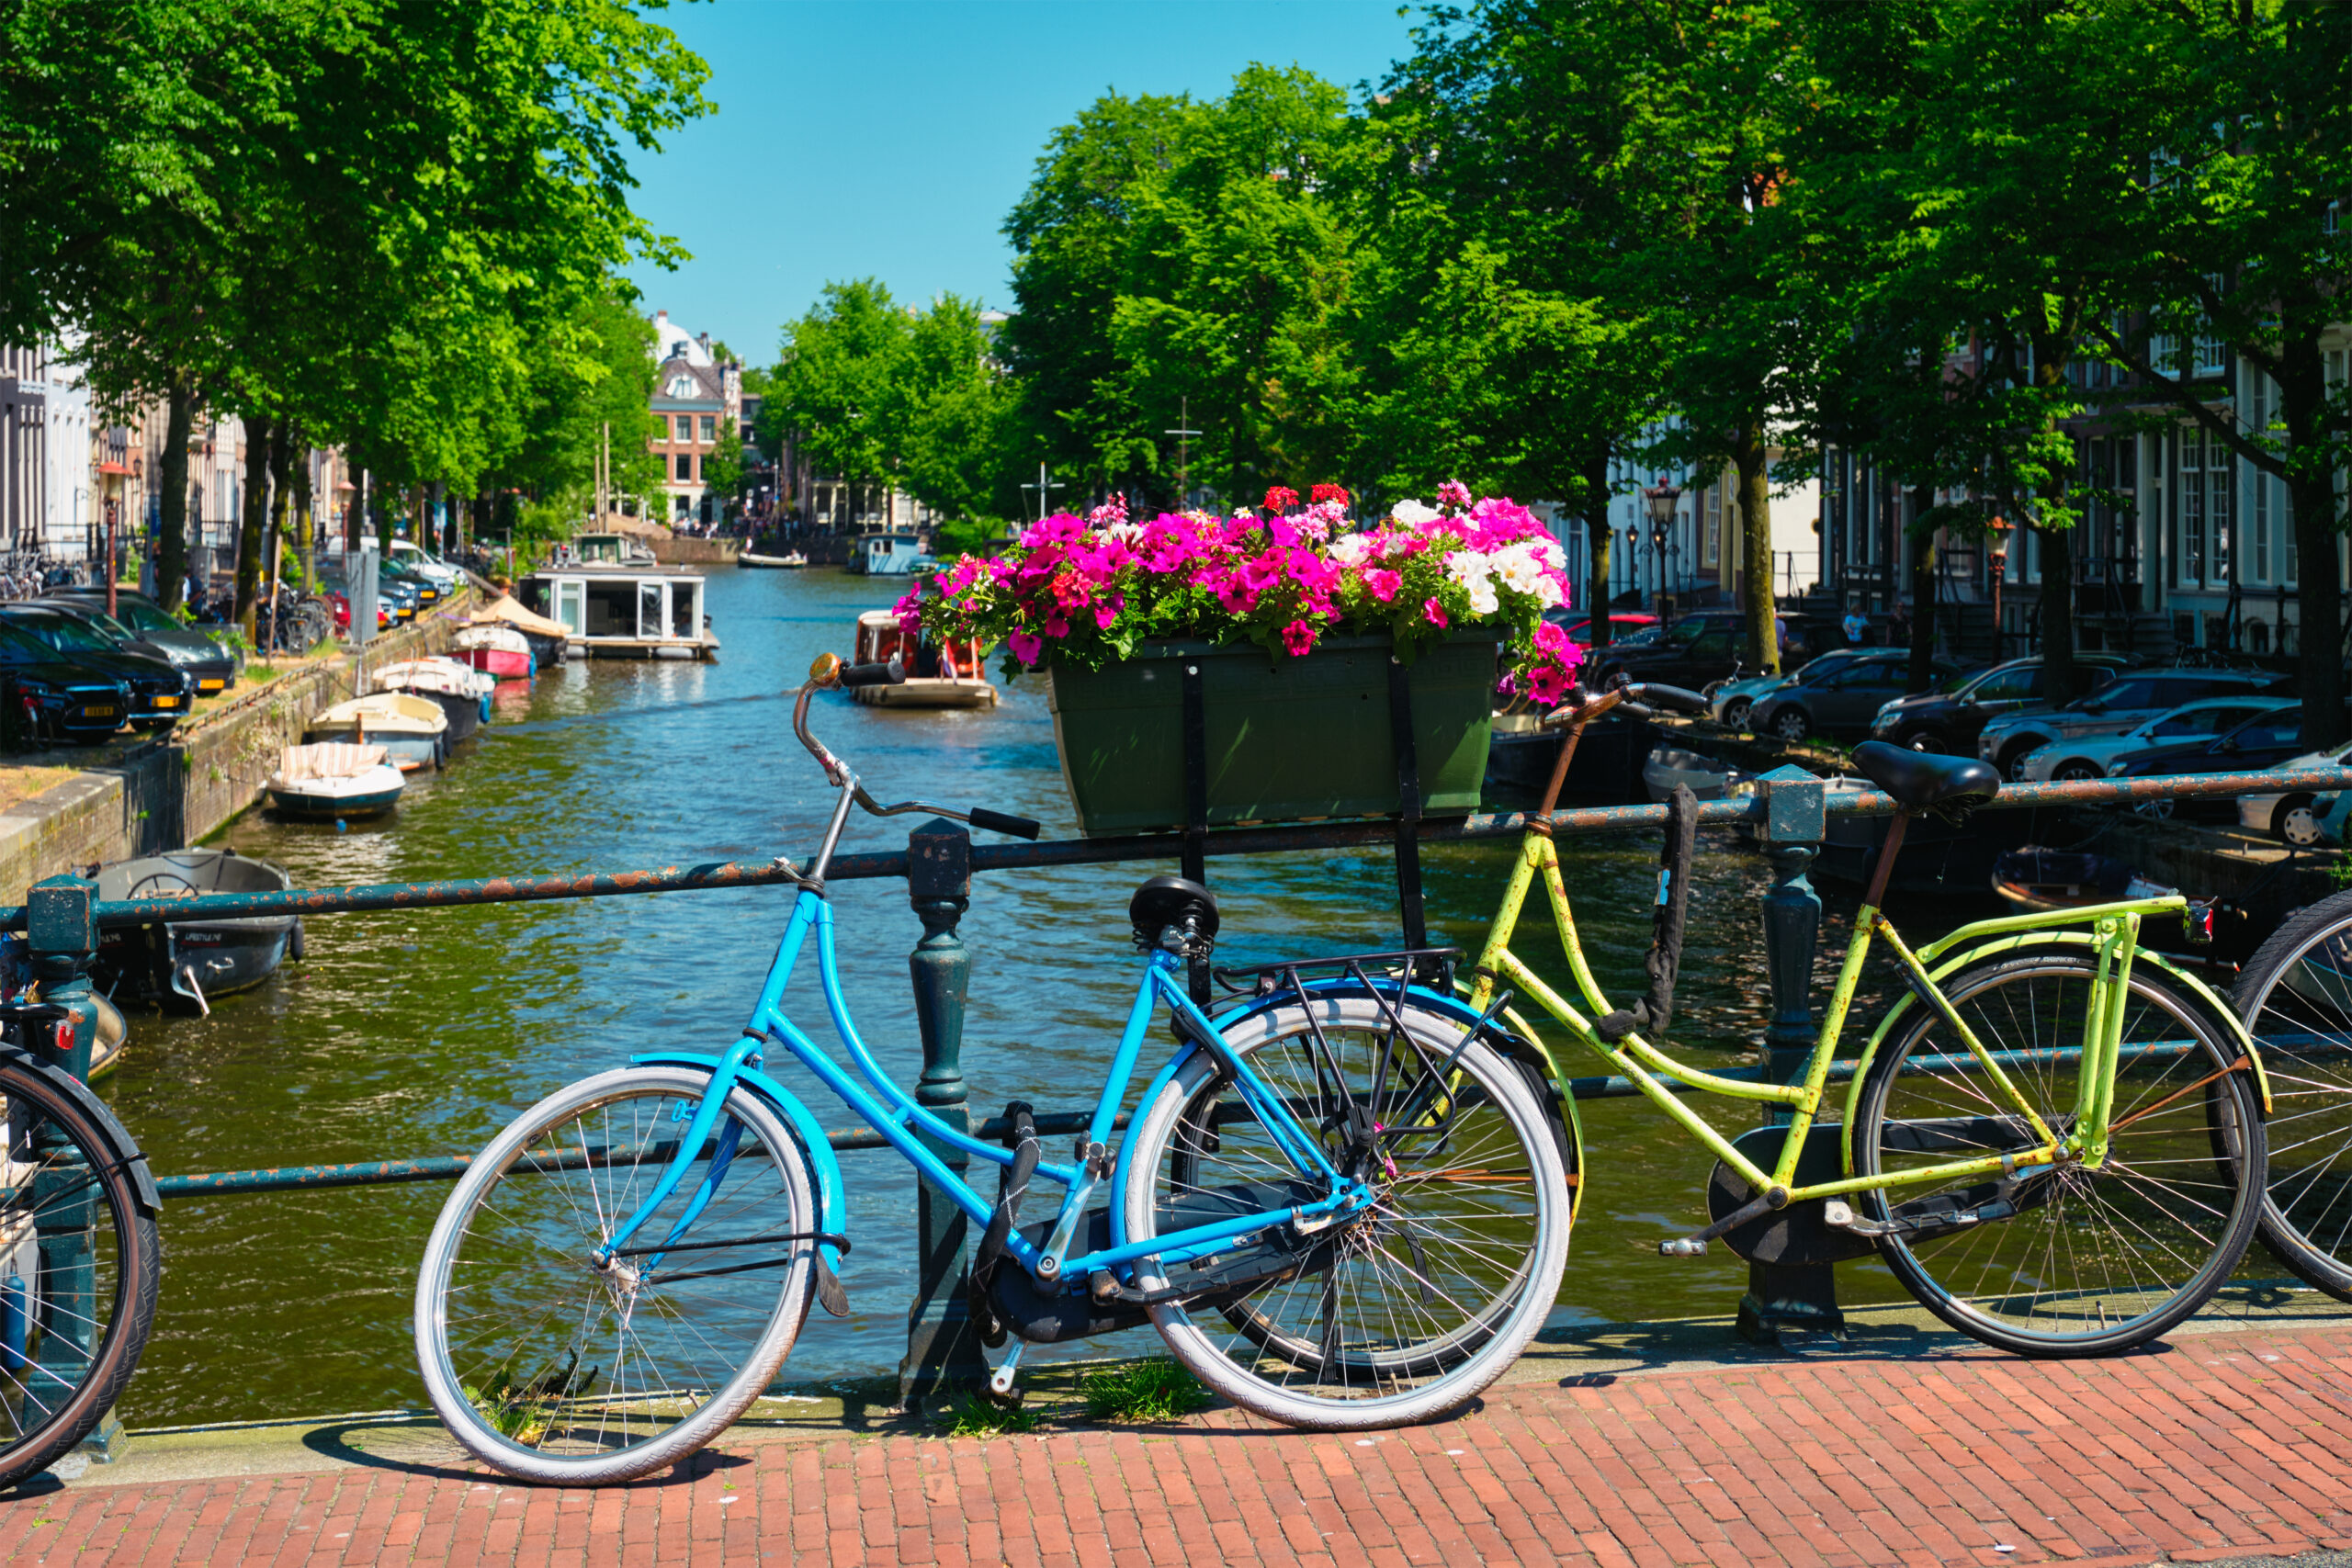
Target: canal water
<point>421,1032</point>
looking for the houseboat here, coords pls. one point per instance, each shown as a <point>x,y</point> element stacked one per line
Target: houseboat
<point>893,552</point>
<point>623,607</point>
<point>939,674</point>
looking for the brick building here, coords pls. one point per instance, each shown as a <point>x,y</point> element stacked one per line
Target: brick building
<point>697,394</point>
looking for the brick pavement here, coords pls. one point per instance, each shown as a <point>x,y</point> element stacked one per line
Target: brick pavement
<point>2217,1446</point>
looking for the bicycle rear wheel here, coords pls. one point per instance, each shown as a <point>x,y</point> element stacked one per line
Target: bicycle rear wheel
<point>551,1366</point>
<point>2064,1261</point>
<point>2296,998</point>
<point>1397,1317</point>
<point>79,1261</point>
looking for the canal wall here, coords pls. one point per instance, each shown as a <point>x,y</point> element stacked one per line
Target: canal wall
<point>162,795</point>
<point>696,552</point>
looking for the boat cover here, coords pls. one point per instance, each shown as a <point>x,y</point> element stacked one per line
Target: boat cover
<point>328,760</point>
<point>396,712</point>
<point>429,675</point>
<point>506,611</point>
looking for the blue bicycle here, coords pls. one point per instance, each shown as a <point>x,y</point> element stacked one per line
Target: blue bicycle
<point>1341,1202</point>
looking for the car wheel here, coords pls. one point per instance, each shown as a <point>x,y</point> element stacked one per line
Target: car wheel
<point>2074,770</point>
<point>2296,821</point>
<point>1736,712</point>
<point>2154,810</point>
<point>1792,724</point>
<point>2013,761</point>
<point>1930,741</point>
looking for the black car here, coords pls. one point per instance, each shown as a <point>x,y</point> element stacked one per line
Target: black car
<point>1702,647</point>
<point>159,694</point>
<point>138,621</point>
<point>1949,721</point>
<point>1842,698</point>
<point>2263,742</point>
<point>61,700</point>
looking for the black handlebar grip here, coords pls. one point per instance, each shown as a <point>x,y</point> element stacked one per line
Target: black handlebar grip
<point>1674,697</point>
<point>998,822</point>
<point>1634,710</point>
<point>892,674</point>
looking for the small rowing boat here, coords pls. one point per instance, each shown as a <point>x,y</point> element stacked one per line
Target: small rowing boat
<point>498,650</point>
<point>2045,881</point>
<point>192,961</point>
<point>334,779</point>
<point>460,692</point>
<point>939,674</point>
<point>412,728</point>
<point>793,562</point>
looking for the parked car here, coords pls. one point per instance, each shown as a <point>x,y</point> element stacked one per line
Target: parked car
<point>2118,705</point>
<point>415,558</point>
<point>392,577</point>
<point>138,620</point>
<point>2089,756</point>
<point>1731,702</point>
<point>1949,721</point>
<point>1840,698</point>
<point>61,699</point>
<point>161,694</point>
<point>1701,647</point>
<point>2294,818</point>
<point>1622,624</point>
<point>2263,742</point>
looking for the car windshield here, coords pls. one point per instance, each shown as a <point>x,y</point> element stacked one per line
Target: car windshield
<point>110,626</point>
<point>62,631</point>
<point>144,615</point>
<point>19,647</point>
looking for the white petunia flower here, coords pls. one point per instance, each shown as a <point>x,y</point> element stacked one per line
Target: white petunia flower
<point>1351,549</point>
<point>1519,569</point>
<point>1413,514</point>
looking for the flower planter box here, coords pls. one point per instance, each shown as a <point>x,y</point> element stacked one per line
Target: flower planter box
<point>1287,738</point>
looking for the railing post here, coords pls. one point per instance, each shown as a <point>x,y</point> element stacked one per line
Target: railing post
<point>62,938</point>
<point>1782,1297</point>
<point>942,1352</point>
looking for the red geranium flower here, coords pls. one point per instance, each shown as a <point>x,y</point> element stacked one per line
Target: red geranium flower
<point>1328,492</point>
<point>1281,498</point>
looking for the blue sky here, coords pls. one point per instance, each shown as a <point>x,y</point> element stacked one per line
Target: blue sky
<point>889,138</point>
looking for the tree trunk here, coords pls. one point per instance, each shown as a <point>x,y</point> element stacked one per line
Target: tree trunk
<point>1756,548</point>
<point>171,520</point>
<point>281,500</point>
<point>1923,595</point>
<point>1597,535</point>
<point>306,529</point>
<point>2060,673</point>
<point>256,515</point>
<point>2311,501</point>
<point>384,529</point>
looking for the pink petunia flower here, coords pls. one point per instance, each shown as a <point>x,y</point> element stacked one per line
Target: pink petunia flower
<point>1298,637</point>
<point>1433,613</point>
<point>1026,646</point>
<point>1382,584</point>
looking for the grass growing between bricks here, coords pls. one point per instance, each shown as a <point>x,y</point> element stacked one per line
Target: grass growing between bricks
<point>1157,1390</point>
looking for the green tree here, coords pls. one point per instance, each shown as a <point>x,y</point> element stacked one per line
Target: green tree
<point>834,385</point>
<point>722,468</point>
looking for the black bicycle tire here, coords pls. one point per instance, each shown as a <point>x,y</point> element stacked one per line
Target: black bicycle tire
<point>2297,934</point>
<point>1885,1067</point>
<point>137,1275</point>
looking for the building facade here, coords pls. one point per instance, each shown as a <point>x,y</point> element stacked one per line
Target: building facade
<point>696,395</point>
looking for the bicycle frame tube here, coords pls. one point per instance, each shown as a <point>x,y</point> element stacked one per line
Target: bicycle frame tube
<point>2116,928</point>
<point>913,1130</point>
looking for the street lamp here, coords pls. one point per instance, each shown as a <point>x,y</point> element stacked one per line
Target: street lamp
<point>1998,530</point>
<point>1661,499</point>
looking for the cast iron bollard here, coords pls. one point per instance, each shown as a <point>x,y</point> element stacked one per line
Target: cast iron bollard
<point>1782,1297</point>
<point>944,1354</point>
<point>62,936</point>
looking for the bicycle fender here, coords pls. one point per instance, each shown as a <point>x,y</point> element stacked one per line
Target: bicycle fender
<point>832,1209</point>
<point>2001,946</point>
<point>127,1151</point>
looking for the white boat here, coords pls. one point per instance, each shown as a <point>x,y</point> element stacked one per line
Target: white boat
<point>335,778</point>
<point>623,609</point>
<point>792,562</point>
<point>412,728</point>
<point>461,691</point>
<point>1707,778</point>
<point>939,674</point>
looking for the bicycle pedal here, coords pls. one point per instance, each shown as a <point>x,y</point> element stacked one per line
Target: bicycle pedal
<point>1683,1246</point>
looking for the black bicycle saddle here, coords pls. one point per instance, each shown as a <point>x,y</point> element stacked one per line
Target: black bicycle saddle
<point>1922,781</point>
<point>1165,901</point>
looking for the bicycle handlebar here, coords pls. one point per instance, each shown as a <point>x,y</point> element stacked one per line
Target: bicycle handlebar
<point>830,671</point>
<point>1651,695</point>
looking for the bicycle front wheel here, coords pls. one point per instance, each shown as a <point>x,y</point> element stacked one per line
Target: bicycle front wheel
<point>553,1362</point>
<point>2065,1260</point>
<point>2296,998</point>
<point>79,1261</point>
<point>1400,1314</point>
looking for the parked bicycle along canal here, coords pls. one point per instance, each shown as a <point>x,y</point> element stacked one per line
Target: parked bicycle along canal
<point>422,1031</point>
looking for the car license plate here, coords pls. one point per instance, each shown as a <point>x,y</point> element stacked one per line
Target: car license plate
<point>98,710</point>
<point>168,702</point>
<point>211,684</point>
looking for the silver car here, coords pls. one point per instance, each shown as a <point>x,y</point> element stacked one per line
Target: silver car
<point>2294,818</point>
<point>2089,756</point>
<point>2122,704</point>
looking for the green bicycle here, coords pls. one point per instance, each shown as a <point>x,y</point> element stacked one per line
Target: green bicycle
<point>2054,1140</point>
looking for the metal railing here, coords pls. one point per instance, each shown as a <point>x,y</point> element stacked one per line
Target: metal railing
<point>1789,812</point>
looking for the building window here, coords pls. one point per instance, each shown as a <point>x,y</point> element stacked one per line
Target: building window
<point>2192,506</point>
<point>686,427</point>
<point>709,428</point>
<point>686,466</point>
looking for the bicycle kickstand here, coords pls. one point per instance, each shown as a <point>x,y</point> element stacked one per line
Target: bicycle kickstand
<point>1000,1380</point>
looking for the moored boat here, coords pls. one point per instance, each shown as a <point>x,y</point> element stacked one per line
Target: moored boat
<point>191,962</point>
<point>497,650</point>
<point>792,561</point>
<point>939,674</point>
<point>335,779</point>
<point>460,692</point>
<point>2039,880</point>
<point>1670,765</point>
<point>413,729</point>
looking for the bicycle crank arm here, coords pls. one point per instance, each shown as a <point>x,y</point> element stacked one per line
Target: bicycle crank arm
<point>1756,1208</point>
